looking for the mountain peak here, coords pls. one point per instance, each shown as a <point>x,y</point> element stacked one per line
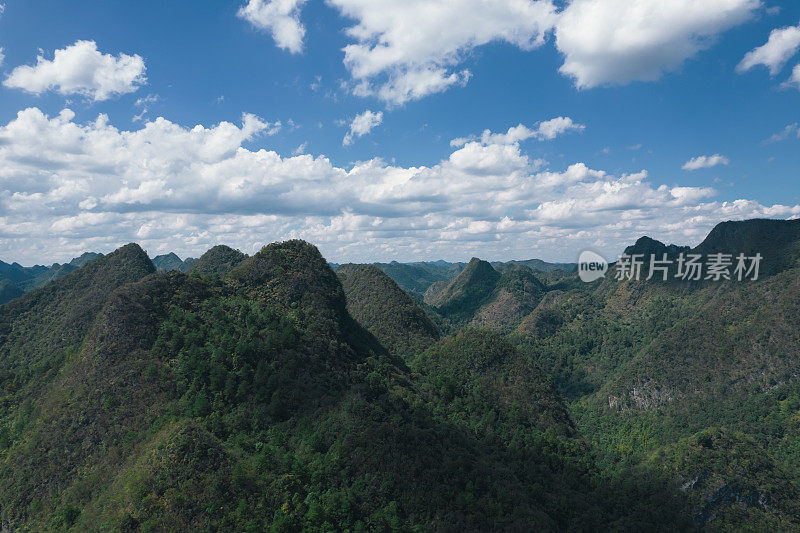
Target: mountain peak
<point>84,258</point>
<point>648,246</point>
<point>778,242</point>
<point>516,294</point>
<point>385,310</point>
<point>468,291</point>
<point>168,261</point>
<point>292,273</point>
<point>219,261</point>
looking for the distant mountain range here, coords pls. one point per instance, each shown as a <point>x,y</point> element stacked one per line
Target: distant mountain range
<point>16,280</point>
<point>415,278</point>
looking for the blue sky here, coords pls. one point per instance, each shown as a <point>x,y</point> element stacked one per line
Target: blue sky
<point>645,89</point>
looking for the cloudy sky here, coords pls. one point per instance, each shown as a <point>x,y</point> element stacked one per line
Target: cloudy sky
<point>382,130</point>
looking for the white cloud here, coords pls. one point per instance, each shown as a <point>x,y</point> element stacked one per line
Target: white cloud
<point>550,129</point>
<point>402,51</point>
<point>407,50</point>
<point>81,69</point>
<point>2,54</point>
<point>362,125</point>
<point>281,18</point>
<point>795,77</point>
<point>144,104</point>
<point>606,42</point>
<point>705,161</point>
<point>783,43</point>
<point>547,130</point>
<point>788,131</point>
<point>67,187</point>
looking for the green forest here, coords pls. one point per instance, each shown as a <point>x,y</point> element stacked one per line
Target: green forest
<point>278,392</point>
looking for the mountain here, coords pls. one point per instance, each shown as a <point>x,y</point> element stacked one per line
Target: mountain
<point>381,306</point>
<point>218,261</point>
<point>84,258</point>
<point>29,278</point>
<point>460,298</point>
<point>537,265</point>
<point>647,247</point>
<point>650,368</point>
<point>8,291</point>
<point>168,261</point>
<point>778,241</point>
<point>41,330</point>
<point>483,297</point>
<point>486,365</point>
<point>256,401</point>
<point>54,272</point>
<point>731,480</point>
<point>279,394</point>
<point>418,277</point>
<point>516,294</point>
<point>17,274</point>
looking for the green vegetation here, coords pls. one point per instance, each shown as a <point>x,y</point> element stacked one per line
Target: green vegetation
<point>8,291</point>
<point>378,304</point>
<point>218,261</point>
<point>731,481</point>
<point>416,278</point>
<point>272,393</point>
<point>255,402</point>
<point>515,296</point>
<point>459,299</point>
<point>171,261</point>
<point>44,328</point>
<point>15,280</point>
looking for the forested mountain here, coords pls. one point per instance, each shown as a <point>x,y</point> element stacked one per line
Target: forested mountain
<point>255,401</point>
<point>8,291</point>
<point>387,312</point>
<point>171,261</point>
<point>462,297</point>
<point>218,261</point>
<point>26,279</point>
<point>270,392</point>
<point>17,273</point>
<point>417,278</point>
<point>699,379</point>
<point>537,265</point>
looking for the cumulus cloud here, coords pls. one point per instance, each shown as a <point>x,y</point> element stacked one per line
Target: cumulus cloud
<point>362,125</point>
<point>281,18</point>
<point>81,69</point>
<point>782,44</point>
<point>547,130</point>
<point>705,161</point>
<point>407,50</point>
<point>2,54</point>
<point>67,187</point>
<point>606,42</point>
